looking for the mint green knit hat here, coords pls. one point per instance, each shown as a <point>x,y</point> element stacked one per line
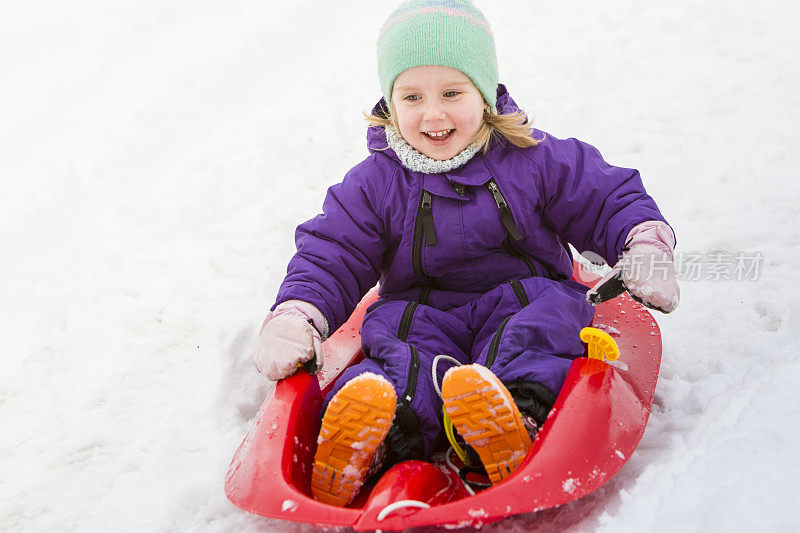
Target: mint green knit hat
<point>452,33</point>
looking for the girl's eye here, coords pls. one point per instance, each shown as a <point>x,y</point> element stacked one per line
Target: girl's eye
<point>451,94</point>
<point>411,97</point>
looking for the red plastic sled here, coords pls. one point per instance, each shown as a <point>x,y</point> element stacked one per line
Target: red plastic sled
<point>596,423</point>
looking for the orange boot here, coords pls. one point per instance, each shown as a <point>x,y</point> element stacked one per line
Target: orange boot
<point>355,423</point>
<point>485,415</point>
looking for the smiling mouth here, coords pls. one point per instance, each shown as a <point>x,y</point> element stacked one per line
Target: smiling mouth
<point>438,135</point>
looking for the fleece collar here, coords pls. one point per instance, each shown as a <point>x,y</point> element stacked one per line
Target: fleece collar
<point>413,159</point>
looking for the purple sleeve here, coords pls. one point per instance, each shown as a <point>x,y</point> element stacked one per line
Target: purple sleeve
<point>340,251</point>
<point>589,203</point>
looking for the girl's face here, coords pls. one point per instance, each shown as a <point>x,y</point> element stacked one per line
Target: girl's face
<point>438,109</point>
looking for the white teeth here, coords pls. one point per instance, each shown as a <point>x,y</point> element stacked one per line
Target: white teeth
<point>438,134</point>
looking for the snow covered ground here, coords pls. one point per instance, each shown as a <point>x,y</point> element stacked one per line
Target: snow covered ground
<point>154,161</point>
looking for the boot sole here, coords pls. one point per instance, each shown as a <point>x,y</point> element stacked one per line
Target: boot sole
<point>485,415</point>
<point>354,425</point>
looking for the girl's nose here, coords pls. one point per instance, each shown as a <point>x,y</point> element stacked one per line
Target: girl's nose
<point>433,111</point>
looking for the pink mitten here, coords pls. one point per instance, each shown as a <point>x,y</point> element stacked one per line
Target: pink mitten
<point>646,269</point>
<point>289,338</point>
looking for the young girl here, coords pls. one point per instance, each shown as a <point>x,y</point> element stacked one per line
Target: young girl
<point>463,213</point>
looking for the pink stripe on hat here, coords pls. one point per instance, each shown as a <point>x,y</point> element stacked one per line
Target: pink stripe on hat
<point>472,19</point>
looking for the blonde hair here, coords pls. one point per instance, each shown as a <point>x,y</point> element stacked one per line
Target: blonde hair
<point>514,127</point>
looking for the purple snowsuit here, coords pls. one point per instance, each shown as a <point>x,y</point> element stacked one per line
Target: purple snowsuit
<point>472,263</point>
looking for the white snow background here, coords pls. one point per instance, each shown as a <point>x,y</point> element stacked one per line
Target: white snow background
<point>155,158</point>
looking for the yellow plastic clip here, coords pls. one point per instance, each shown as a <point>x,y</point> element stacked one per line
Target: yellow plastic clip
<point>601,345</point>
<point>451,436</point>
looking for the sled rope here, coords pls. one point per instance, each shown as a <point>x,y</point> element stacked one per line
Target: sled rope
<point>449,431</point>
<point>446,421</point>
<point>392,507</point>
<point>433,371</point>
<point>457,470</point>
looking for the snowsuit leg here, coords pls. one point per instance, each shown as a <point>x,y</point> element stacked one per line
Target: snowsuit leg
<point>527,333</point>
<point>400,340</point>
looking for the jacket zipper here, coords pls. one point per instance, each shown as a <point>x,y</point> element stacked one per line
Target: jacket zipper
<point>494,346</point>
<point>491,355</point>
<point>425,215</point>
<point>425,295</point>
<point>405,321</point>
<point>519,291</point>
<point>413,373</point>
<point>511,228</point>
<point>511,249</point>
<point>459,189</point>
<point>423,230</point>
<point>505,211</point>
<point>413,369</point>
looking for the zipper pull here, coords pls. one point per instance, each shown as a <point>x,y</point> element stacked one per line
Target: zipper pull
<point>427,219</point>
<point>497,195</point>
<point>505,212</point>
